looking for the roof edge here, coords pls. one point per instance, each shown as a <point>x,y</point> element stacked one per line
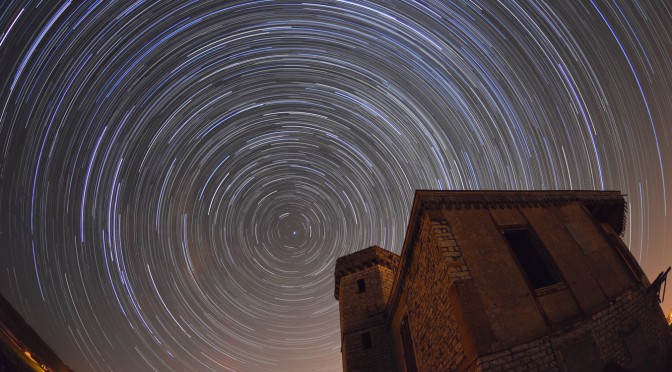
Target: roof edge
<point>606,206</point>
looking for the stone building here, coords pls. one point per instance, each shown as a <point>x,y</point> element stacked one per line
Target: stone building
<point>500,280</point>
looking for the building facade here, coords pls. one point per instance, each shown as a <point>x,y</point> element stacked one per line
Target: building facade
<point>497,280</point>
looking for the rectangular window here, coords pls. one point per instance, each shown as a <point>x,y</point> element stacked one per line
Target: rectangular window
<point>366,340</point>
<point>532,257</point>
<point>407,344</point>
<point>361,286</point>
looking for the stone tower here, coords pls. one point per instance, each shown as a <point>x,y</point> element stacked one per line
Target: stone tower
<point>363,284</point>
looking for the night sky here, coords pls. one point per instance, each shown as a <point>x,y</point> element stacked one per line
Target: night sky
<point>178,179</point>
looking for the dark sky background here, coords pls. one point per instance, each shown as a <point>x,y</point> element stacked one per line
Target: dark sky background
<point>177,179</point>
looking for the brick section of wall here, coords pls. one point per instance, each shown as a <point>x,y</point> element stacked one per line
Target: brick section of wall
<point>631,332</point>
<point>438,346</point>
<point>537,355</point>
<point>450,251</point>
<point>386,281</point>
<point>632,328</point>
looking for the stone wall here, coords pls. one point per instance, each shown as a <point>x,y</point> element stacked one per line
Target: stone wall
<point>629,333</point>
<point>632,331</point>
<point>363,316</point>
<point>357,308</point>
<point>434,329</point>
<point>377,358</point>
<point>536,355</point>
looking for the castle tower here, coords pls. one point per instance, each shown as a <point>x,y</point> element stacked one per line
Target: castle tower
<point>363,284</point>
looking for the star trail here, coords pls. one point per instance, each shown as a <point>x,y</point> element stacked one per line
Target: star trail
<point>177,179</point>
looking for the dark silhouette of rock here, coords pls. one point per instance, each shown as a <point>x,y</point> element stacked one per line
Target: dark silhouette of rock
<point>21,348</point>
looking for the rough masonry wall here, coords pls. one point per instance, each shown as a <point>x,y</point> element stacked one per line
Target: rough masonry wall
<point>357,308</point>
<point>438,346</point>
<point>631,332</point>
<point>386,281</point>
<point>364,312</point>
<point>533,356</point>
<point>377,358</point>
<point>633,329</point>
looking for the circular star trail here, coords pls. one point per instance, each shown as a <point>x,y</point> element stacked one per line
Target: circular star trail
<point>177,179</point>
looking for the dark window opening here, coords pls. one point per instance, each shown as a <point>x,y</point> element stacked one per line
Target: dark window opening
<point>532,257</point>
<point>366,340</point>
<point>407,344</point>
<point>361,286</point>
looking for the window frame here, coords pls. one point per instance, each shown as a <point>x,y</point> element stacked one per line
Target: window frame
<point>366,341</point>
<point>540,250</point>
<point>361,285</point>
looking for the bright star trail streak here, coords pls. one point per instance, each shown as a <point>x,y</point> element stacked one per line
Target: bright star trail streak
<point>178,179</point>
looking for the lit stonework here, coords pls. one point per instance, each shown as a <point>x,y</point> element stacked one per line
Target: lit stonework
<point>498,280</point>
